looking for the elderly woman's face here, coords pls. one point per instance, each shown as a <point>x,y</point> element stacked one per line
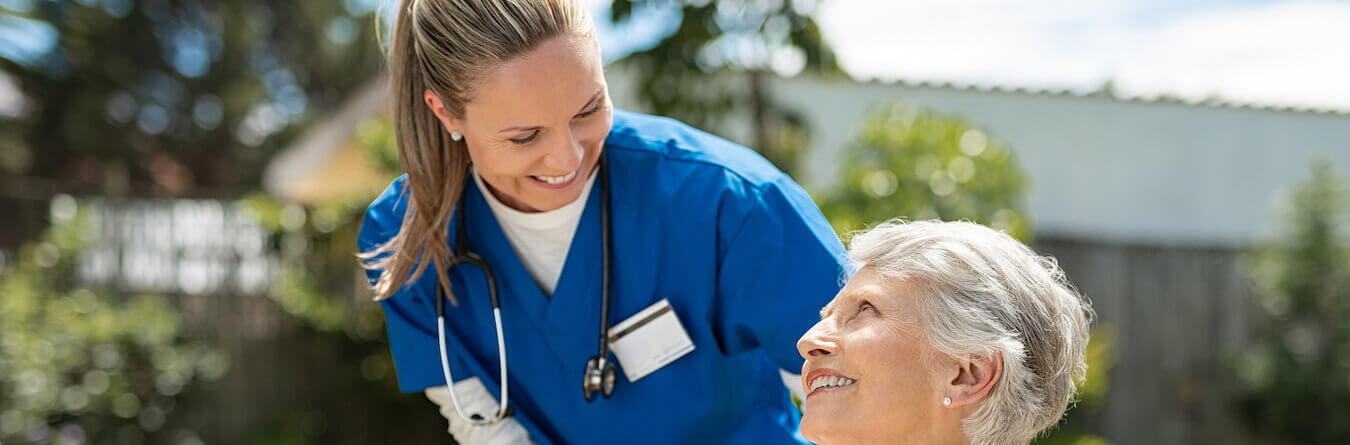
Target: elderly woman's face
<point>864,376</point>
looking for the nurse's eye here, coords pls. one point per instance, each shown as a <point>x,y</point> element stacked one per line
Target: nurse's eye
<point>588,113</point>
<point>526,139</point>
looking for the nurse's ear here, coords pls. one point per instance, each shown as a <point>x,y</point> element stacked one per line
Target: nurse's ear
<point>452,125</point>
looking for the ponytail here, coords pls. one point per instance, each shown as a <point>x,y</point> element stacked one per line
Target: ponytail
<point>443,46</point>
<point>436,168</point>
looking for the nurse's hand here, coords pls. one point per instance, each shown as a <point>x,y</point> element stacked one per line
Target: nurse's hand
<point>475,398</point>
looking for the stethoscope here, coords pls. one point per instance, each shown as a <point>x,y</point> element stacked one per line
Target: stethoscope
<point>599,373</point>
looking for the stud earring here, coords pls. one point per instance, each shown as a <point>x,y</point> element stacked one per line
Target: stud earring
<point>946,401</point>
<point>456,136</point>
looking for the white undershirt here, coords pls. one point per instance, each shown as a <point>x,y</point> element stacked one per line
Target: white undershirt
<point>540,239</point>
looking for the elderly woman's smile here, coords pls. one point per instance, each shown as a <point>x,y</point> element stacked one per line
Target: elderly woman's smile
<point>823,381</point>
<point>869,338</point>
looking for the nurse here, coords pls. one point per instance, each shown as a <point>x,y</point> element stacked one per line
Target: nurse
<point>703,261</point>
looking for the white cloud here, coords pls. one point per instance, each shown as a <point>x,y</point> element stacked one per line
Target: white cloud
<point>1283,53</point>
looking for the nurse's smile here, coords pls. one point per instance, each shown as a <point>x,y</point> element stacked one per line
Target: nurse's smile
<point>555,182</point>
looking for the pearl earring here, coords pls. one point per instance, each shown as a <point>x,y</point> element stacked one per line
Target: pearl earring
<point>455,135</point>
<point>946,401</point>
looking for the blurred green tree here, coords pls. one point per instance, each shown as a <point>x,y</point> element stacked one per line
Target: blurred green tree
<point>909,162</point>
<point>168,97</point>
<point>318,264</point>
<point>81,365</point>
<point>694,74</point>
<point>1295,376</point>
<point>1076,428</point>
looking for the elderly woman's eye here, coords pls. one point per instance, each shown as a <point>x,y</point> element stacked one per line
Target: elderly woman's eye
<point>866,306</point>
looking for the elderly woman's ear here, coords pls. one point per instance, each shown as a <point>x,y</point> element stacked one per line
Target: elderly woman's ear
<point>972,378</point>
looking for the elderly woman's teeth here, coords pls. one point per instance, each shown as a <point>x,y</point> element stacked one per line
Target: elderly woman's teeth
<point>824,381</point>
<point>556,179</point>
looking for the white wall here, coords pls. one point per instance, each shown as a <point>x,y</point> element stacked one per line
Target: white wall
<point>1129,171</point>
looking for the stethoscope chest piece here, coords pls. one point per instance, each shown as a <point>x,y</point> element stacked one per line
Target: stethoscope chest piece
<point>600,376</point>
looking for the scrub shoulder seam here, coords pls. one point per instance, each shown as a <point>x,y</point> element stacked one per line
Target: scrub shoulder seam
<point>758,186</point>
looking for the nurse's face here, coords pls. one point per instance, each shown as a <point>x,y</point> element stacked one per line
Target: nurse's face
<point>869,337</point>
<point>535,125</point>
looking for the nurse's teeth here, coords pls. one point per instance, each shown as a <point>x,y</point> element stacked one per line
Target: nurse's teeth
<point>556,179</point>
<point>824,381</point>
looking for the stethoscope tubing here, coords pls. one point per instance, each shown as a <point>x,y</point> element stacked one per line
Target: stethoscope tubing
<point>463,256</point>
<point>604,252</point>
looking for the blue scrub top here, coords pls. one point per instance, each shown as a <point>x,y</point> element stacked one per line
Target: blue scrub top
<point>740,251</point>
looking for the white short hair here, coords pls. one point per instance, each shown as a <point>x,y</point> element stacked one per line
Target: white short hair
<point>986,293</point>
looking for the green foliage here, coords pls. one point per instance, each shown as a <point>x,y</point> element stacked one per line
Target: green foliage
<point>165,97</point>
<point>376,137</point>
<point>912,163</point>
<point>1100,359</point>
<point>80,364</point>
<point>319,284</point>
<point>738,41</point>
<point>317,263</point>
<point>1295,375</point>
<point>1091,393</point>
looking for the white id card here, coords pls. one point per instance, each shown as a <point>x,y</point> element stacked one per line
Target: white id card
<point>649,340</point>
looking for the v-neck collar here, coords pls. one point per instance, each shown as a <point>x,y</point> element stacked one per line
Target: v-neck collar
<point>570,317</point>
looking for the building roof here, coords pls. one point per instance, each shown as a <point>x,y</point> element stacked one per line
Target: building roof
<point>1106,92</point>
<point>300,171</point>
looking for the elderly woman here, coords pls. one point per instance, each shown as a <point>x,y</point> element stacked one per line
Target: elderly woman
<point>949,333</point>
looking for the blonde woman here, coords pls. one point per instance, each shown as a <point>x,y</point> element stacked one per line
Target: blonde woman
<point>553,270</point>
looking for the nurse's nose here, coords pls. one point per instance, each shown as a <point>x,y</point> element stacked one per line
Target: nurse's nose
<point>565,156</point>
<point>819,342</point>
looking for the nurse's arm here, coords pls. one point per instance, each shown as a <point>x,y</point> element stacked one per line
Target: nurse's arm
<point>779,264</point>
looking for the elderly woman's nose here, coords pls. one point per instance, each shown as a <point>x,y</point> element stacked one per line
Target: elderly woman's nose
<point>565,156</point>
<point>818,342</point>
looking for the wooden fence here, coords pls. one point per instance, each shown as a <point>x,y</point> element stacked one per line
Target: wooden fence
<point>1179,315</point>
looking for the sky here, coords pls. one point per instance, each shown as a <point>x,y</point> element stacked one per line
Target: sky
<point>1262,52</point>
<point>1284,53</point>
<point>1274,53</point>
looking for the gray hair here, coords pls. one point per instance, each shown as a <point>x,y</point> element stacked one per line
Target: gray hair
<point>985,294</point>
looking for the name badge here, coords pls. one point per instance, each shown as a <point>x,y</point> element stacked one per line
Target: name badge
<point>649,340</point>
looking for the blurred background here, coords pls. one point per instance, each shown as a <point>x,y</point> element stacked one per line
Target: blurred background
<point>181,182</point>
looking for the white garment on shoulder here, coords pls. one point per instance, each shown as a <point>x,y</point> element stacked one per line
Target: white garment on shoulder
<point>475,399</point>
<point>541,239</point>
<point>793,382</point>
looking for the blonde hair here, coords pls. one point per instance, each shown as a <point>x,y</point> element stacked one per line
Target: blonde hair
<point>445,46</point>
<point>988,294</point>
